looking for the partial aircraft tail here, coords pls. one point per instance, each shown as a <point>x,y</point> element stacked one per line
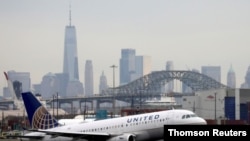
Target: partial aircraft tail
<point>38,115</point>
<point>10,86</point>
<point>17,103</point>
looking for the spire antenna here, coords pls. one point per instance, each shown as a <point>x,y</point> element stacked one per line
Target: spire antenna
<point>70,14</point>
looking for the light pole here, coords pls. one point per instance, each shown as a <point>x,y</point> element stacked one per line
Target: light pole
<point>140,99</point>
<point>215,105</point>
<point>85,110</point>
<point>55,98</point>
<point>57,105</point>
<point>53,105</point>
<point>141,91</point>
<point>113,66</point>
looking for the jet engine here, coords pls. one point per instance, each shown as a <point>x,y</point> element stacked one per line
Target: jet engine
<point>124,137</point>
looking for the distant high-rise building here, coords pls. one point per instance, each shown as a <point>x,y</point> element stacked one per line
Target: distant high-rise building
<point>246,84</point>
<point>63,80</point>
<point>49,85</point>
<point>231,78</point>
<point>127,65</point>
<point>52,84</point>
<point>89,81</point>
<point>36,88</point>
<point>74,88</point>
<point>142,67</point>
<point>70,63</point>
<point>170,65</point>
<point>170,85</point>
<point>212,71</point>
<point>103,85</point>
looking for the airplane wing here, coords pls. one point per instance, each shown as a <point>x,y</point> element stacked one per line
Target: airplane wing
<point>84,135</point>
<point>22,136</point>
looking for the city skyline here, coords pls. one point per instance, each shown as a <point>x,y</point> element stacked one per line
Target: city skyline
<point>192,34</point>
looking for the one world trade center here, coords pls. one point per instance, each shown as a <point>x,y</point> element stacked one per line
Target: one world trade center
<point>70,64</point>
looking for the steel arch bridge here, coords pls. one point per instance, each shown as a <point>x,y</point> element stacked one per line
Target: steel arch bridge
<point>151,84</point>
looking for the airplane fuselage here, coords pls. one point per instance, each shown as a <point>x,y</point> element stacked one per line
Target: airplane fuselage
<point>143,127</point>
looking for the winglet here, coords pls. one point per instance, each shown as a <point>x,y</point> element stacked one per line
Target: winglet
<point>39,117</point>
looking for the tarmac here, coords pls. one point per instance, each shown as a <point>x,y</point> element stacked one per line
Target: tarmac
<point>9,139</point>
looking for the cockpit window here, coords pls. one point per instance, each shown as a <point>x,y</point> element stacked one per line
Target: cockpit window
<point>188,116</point>
<point>193,115</point>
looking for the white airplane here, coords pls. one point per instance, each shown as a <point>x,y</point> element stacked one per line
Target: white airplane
<point>141,127</point>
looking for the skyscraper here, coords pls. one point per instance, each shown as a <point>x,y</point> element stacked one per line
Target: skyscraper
<point>103,83</point>
<point>170,85</point>
<point>231,78</point>
<point>89,82</point>
<point>49,85</point>
<point>212,71</point>
<point>127,65</point>
<point>142,67</point>
<point>70,63</point>
<point>246,84</point>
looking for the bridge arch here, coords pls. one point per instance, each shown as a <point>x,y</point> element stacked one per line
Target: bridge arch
<point>151,84</point>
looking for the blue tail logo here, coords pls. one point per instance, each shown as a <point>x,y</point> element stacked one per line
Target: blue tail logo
<point>39,117</point>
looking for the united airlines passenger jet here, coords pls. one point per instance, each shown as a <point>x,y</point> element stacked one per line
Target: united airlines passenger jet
<point>141,127</point>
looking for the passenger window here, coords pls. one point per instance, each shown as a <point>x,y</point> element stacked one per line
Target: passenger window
<point>183,117</point>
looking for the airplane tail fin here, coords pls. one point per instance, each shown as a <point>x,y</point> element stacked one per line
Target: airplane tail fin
<point>39,117</point>
<point>18,104</point>
<point>10,86</point>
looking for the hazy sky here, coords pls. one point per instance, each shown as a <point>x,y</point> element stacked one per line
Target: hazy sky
<point>191,33</point>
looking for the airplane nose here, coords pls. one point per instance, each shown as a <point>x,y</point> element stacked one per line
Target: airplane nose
<point>203,121</point>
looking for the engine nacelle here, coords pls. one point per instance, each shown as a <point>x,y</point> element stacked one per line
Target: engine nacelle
<point>124,137</point>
